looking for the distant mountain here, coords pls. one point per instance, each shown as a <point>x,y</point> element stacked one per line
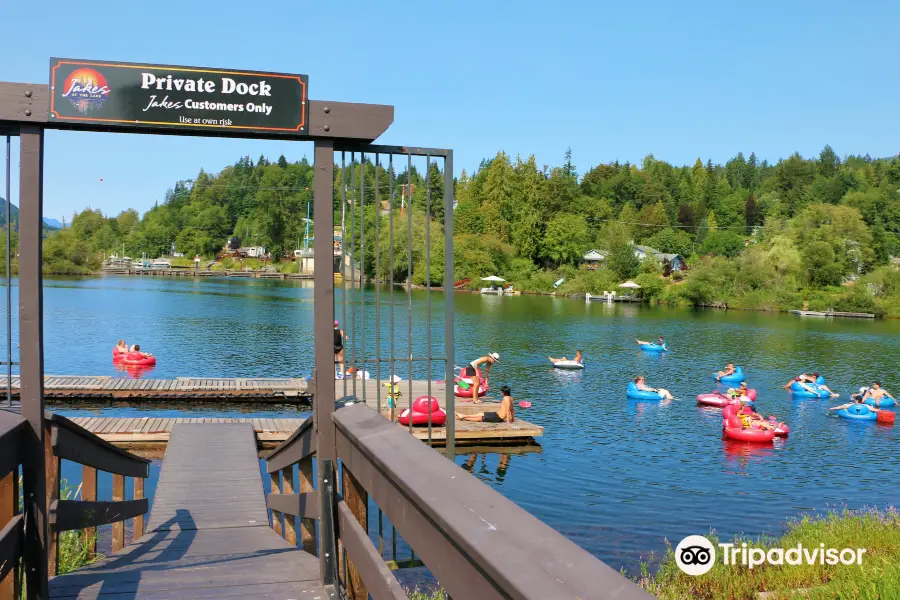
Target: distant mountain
<point>14,214</point>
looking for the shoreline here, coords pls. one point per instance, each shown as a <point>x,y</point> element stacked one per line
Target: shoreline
<point>258,274</point>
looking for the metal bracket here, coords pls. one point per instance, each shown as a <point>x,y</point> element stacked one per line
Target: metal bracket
<point>327,526</point>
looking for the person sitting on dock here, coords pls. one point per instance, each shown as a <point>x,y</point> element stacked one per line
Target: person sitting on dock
<point>474,372</point>
<point>578,358</point>
<point>728,370</point>
<point>877,393</point>
<point>506,413</point>
<point>659,342</point>
<point>641,383</point>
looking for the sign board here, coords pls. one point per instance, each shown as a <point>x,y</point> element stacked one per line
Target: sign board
<point>114,94</point>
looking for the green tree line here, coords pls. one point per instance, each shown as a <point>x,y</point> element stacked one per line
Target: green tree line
<point>754,234</point>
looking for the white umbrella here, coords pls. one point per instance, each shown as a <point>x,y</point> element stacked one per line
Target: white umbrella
<point>492,278</point>
<point>630,285</point>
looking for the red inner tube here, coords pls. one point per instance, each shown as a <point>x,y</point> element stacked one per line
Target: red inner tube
<point>136,358</point>
<point>467,393</point>
<point>419,414</point>
<point>750,435</point>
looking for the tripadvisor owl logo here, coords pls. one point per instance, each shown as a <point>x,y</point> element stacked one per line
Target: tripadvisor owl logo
<point>695,555</point>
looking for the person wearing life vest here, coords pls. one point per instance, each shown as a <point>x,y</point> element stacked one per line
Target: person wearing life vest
<point>474,371</point>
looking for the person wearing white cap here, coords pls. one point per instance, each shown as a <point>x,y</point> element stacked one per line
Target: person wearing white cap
<point>473,370</point>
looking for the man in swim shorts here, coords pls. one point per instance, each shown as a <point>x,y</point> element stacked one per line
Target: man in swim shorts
<point>506,413</point>
<point>659,342</point>
<point>877,393</point>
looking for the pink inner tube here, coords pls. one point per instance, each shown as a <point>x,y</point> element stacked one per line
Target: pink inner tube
<point>438,418</point>
<point>719,399</point>
<point>781,429</point>
<point>117,355</point>
<point>467,393</point>
<point>419,414</point>
<point>136,358</point>
<point>750,435</point>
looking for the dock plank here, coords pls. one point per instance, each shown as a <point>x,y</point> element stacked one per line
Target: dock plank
<point>208,535</point>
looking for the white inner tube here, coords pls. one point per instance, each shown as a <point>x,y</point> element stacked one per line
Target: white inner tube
<point>567,364</point>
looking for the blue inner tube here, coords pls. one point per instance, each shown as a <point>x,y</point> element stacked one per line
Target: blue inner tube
<point>800,392</point>
<point>885,401</point>
<point>635,394</point>
<point>860,412</point>
<point>736,377</point>
<point>653,348</point>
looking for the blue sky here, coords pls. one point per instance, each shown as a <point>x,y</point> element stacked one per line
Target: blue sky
<point>613,80</point>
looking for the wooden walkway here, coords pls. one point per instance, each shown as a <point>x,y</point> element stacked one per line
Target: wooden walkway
<point>222,389</point>
<point>208,535</point>
<point>149,430</point>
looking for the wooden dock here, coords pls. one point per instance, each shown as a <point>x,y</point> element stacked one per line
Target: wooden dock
<point>222,389</point>
<point>209,534</point>
<point>151,430</point>
<point>831,313</point>
<point>190,272</point>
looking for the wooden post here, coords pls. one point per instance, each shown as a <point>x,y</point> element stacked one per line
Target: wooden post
<point>51,464</point>
<point>323,328</point>
<point>357,500</point>
<point>89,493</point>
<point>276,489</point>
<point>138,520</point>
<point>290,521</point>
<point>31,352</point>
<point>307,526</point>
<point>9,508</point>
<point>118,528</point>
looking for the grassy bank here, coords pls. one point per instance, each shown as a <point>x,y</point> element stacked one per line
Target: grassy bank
<point>878,577</point>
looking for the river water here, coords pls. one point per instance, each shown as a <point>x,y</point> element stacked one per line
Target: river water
<point>616,476</point>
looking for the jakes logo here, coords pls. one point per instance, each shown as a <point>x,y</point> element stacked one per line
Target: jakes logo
<point>86,89</point>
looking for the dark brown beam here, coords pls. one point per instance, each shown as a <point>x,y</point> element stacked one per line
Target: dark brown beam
<point>301,444</point>
<point>79,514</point>
<point>304,505</point>
<point>31,352</point>
<point>380,581</point>
<point>85,448</point>
<point>30,103</point>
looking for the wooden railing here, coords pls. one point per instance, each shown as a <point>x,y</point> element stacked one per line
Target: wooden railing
<point>64,440</point>
<point>287,504</point>
<point>477,543</point>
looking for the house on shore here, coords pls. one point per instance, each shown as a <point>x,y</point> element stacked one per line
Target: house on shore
<point>668,262</point>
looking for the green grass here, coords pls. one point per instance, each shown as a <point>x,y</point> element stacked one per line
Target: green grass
<point>417,594</point>
<point>877,577</point>
<point>74,546</point>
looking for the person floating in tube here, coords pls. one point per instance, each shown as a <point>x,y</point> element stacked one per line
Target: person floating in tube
<point>728,370</point>
<point>474,371</point>
<point>659,342</point>
<point>579,358</point>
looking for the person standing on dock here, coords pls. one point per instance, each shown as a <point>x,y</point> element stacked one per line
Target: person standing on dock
<point>339,347</point>
<point>473,370</point>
